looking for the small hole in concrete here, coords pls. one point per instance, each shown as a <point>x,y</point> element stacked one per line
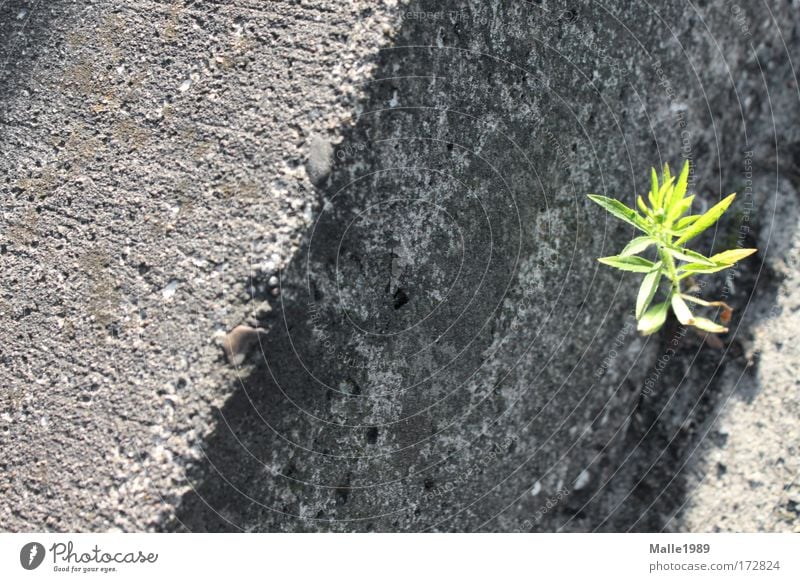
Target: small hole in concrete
<point>400,298</point>
<point>372,435</point>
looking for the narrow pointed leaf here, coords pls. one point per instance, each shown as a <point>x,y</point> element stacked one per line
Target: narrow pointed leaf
<point>708,325</point>
<point>706,220</point>
<point>653,194</point>
<point>664,192</point>
<point>691,257</point>
<point>698,268</point>
<point>636,246</point>
<point>681,310</point>
<point>699,301</point>
<point>680,208</point>
<point>680,186</point>
<point>619,210</point>
<point>648,290</point>
<point>666,175</point>
<point>634,264</point>
<point>687,221</point>
<point>727,310</point>
<point>653,318</point>
<point>732,256</point>
<point>642,206</point>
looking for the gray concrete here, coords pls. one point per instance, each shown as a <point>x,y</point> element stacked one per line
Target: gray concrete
<point>441,350</point>
<point>747,473</point>
<point>153,162</point>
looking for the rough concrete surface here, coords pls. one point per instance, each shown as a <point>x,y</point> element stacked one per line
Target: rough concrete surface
<point>748,476</point>
<point>391,198</point>
<point>153,169</point>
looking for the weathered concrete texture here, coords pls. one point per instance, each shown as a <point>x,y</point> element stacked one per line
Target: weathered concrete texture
<point>713,443</point>
<point>444,352</point>
<point>747,477</point>
<point>448,356</point>
<point>152,162</point>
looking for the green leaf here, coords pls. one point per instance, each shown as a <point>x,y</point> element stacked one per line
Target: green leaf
<point>687,221</point>
<point>665,192</point>
<point>666,174</point>
<point>653,319</point>
<point>680,208</point>
<point>691,257</point>
<point>636,246</point>
<point>698,268</point>
<point>706,220</point>
<point>648,290</point>
<point>634,264</point>
<point>642,206</point>
<point>621,211</point>
<point>681,310</point>
<point>653,194</point>
<point>733,256</point>
<point>708,325</point>
<point>680,187</point>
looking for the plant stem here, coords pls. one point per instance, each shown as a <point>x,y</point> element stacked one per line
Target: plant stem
<point>670,263</point>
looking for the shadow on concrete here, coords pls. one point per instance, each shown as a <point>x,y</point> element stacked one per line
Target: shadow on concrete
<point>307,441</point>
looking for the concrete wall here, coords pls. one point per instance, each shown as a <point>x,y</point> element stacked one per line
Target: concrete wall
<point>442,350</point>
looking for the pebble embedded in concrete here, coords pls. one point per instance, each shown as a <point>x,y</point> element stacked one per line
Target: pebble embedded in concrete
<point>582,480</point>
<point>320,159</point>
<point>239,341</point>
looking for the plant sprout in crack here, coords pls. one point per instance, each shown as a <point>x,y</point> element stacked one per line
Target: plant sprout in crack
<point>668,226</point>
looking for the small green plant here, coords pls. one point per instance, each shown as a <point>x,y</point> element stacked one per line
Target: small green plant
<point>667,227</point>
